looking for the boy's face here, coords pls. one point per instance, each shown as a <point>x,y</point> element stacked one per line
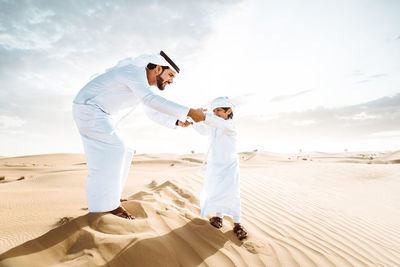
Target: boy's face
<point>220,112</point>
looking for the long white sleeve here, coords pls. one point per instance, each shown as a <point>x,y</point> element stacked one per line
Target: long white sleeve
<point>227,126</point>
<point>202,129</point>
<point>160,118</point>
<point>148,98</point>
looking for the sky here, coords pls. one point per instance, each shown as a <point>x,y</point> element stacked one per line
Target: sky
<point>309,75</point>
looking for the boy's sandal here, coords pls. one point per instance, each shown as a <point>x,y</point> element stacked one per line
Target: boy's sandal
<point>121,212</point>
<point>240,231</point>
<point>216,222</point>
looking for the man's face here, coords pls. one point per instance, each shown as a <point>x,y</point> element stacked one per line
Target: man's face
<point>165,77</point>
<point>220,112</point>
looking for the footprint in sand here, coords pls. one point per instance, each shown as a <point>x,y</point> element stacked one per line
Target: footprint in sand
<point>253,247</point>
<point>64,220</point>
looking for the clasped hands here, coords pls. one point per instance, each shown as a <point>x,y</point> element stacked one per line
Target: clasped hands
<point>196,114</point>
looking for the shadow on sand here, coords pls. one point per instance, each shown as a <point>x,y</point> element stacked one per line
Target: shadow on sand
<point>105,240</point>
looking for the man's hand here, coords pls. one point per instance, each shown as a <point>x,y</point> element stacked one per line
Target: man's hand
<point>197,114</point>
<point>183,124</point>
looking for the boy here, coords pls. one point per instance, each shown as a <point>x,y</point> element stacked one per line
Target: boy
<point>221,192</point>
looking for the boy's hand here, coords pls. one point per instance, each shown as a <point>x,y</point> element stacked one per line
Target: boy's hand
<point>183,124</point>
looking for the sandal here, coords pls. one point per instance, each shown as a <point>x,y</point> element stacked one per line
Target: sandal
<point>216,222</point>
<point>240,231</point>
<point>121,212</point>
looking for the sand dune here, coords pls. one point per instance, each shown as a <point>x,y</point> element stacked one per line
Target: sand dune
<point>166,232</point>
<point>393,157</point>
<point>314,209</point>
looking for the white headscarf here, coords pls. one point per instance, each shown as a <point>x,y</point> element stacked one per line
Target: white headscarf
<point>142,61</point>
<point>222,102</point>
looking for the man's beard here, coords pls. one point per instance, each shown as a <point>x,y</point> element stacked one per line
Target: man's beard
<point>160,82</point>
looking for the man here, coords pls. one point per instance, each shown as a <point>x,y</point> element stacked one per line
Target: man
<point>96,109</point>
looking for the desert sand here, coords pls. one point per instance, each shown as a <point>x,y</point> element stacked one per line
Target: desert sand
<point>308,209</point>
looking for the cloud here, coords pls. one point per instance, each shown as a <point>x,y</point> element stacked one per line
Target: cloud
<point>356,73</point>
<point>379,75</point>
<point>363,77</point>
<point>96,26</point>
<point>368,78</point>
<point>344,123</point>
<point>362,116</point>
<point>363,81</point>
<point>287,97</point>
<point>10,122</point>
<point>303,122</point>
<point>386,134</point>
